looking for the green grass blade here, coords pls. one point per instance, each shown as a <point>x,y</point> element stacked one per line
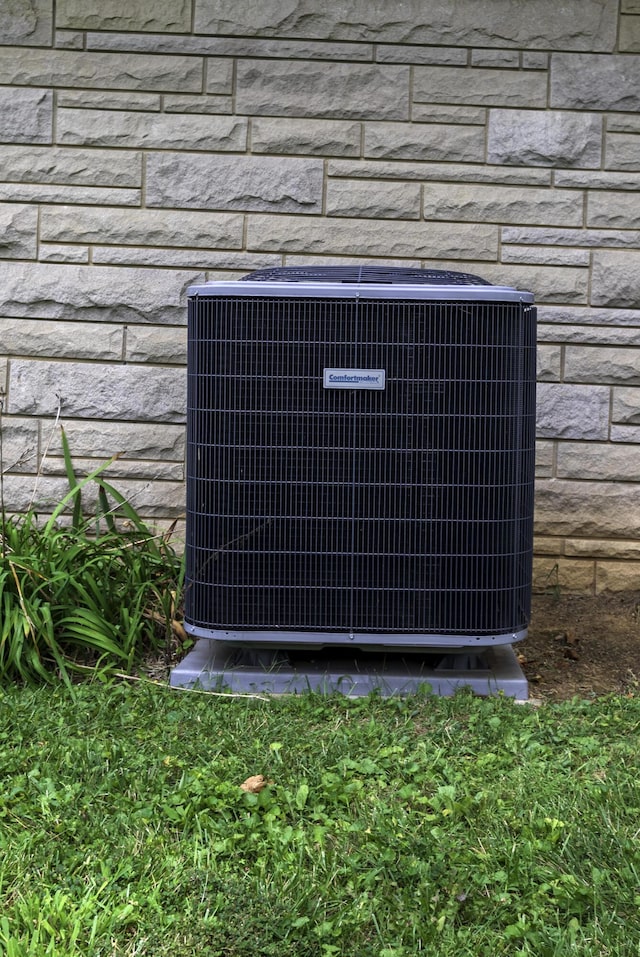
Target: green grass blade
<point>72,480</point>
<point>91,629</point>
<point>125,506</point>
<point>105,510</point>
<point>71,495</point>
<point>75,602</point>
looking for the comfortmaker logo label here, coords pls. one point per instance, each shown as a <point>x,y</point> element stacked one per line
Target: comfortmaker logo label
<point>354,378</point>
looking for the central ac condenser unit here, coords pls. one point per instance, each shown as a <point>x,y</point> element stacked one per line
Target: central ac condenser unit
<point>360,459</point>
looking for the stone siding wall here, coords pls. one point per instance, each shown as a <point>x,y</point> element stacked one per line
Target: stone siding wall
<point>148,144</point>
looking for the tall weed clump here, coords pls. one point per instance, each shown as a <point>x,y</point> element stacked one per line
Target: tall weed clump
<point>83,594</point>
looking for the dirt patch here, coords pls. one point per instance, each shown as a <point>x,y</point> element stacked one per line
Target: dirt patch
<point>582,646</point>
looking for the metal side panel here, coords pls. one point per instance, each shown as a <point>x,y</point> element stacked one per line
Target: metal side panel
<point>397,502</point>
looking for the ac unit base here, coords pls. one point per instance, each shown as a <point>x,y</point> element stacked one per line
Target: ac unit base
<point>213,666</point>
<point>355,641</point>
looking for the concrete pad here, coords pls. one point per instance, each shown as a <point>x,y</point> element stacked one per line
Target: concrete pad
<point>215,666</point>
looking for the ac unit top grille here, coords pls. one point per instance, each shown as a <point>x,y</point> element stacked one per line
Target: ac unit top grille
<point>387,275</point>
<point>361,282</point>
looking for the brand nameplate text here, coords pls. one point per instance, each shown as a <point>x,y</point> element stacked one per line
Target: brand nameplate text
<point>354,379</point>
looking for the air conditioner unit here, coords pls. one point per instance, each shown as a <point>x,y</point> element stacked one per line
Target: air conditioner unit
<point>360,459</point>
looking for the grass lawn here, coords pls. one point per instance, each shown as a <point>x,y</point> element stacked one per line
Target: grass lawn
<point>456,826</point>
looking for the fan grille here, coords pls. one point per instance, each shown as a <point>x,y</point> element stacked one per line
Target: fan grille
<point>385,275</point>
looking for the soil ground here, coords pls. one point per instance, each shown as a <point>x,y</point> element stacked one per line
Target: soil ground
<point>582,646</point>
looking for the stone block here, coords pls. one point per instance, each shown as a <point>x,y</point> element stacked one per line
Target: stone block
<point>381,200</point>
<point>64,166</point>
<point>534,60</point>
<point>617,576</point>
<point>602,462</point>
<point>18,231</point>
<point>150,499</point>
<point>92,390</point>
<point>219,75</point>
<point>445,172</point>
<point>69,40</point>
<point>545,138</point>
<point>436,142</point>
<point>311,137</point>
<point>20,443</point>
<point>151,131</point>
<point>544,458</point>
<point>572,411</point>
<point>441,113</point>
<point>361,237</point>
<point>585,81</point>
<point>544,255</point>
<point>625,433</point>
<point>570,237</point>
<point>556,284</point>
<point>406,53</point>
<point>623,123</point>
<point>107,100</point>
<point>570,576</point>
<point>498,58</point>
<point>156,344</point>
<point>616,278</point>
<point>602,548</point>
<point>602,365</point>
<point>121,468</point>
<point>162,16</point>
<point>549,358</point>
<point>595,179</point>
<point>69,340</point>
<point>175,529</point>
<point>198,104</point>
<point>182,258</point>
<point>543,545</point>
<point>101,71</point>
<point>99,195</point>
<point>586,317</point>
<point>229,274</point>
<point>161,500</point>
<point>587,334</point>
<point>235,182</point>
<point>136,256</point>
<point>333,260</point>
<point>27,22</point>
<point>133,440</point>
<point>105,294</point>
<point>490,87</point>
<point>587,509</point>
<point>629,34</point>
<point>542,24</point>
<point>226,46</point>
<point>26,115</point>
<point>625,409</point>
<point>344,90</point>
<point>623,151</point>
<point>141,227</point>
<point>22,493</point>
<point>52,253</point>
<point>501,204</point>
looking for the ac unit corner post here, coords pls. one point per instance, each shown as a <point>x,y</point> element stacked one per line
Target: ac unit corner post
<point>360,460</point>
